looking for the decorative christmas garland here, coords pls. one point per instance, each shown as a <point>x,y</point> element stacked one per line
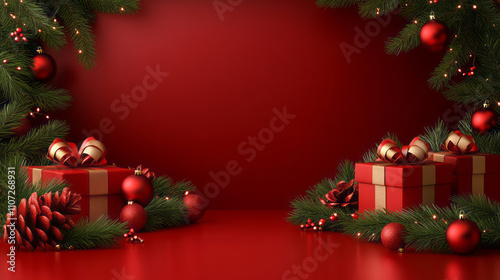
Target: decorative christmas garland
<point>331,205</point>
<point>41,216</point>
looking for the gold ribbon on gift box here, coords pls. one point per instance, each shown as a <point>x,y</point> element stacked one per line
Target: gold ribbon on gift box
<point>98,178</point>
<point>98,206</point>
<point>478,169</point>
<point>428,183</point>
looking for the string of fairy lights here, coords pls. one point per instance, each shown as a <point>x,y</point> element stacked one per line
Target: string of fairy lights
<point>54,27</point>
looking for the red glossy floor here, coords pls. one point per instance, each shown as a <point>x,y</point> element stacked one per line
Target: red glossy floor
<point>250,245</point>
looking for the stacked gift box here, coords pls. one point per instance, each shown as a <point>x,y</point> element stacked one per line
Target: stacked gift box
<point>87,174</point>
<point>473,173</point>
<point>411,176</point>
<point>99,186</point>
<point>394,187</point>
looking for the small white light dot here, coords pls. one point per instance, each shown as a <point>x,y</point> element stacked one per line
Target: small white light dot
<point>446,75</point>
<point>79,51</point>
<point>19,68</point>
<point>474,6</point>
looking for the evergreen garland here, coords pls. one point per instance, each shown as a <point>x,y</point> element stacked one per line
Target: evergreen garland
<point>103,232</point>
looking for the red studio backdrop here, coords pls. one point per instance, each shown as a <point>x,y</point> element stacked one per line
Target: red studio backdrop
<point>253,101</point>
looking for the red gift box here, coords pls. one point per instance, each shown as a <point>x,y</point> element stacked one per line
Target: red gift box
<point>102,180</point>
<point>475,173</point>
<point>95,206</point>
<point>394,187</point>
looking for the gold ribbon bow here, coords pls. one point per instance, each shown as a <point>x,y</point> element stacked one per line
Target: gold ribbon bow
<point>459,143</point>
<point>92,152</point>
<point>414,153</point>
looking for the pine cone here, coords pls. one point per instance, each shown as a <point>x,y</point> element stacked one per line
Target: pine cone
<point>41,220</point>
<point>344,194</point>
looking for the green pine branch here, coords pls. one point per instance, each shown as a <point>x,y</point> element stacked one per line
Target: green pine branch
<point>104,232</point>
<point>164,213</point>
<point>436,135</point>
<point>35,143</point>
<point>165,187</point>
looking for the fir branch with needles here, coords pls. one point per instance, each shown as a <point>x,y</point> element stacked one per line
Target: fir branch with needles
<point>103,232</point>
<point>163,213</point>
<point>164,186</point>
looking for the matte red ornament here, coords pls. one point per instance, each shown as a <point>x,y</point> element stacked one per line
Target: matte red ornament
<point>23,128</point>
<point>484,119</point>
<point>433,36</point>
<point>134,215</point>
<point>392,236</point>
<point>44,67</point>
<point>195,205</point>
<point>463,236</point>
<point>137,188</point>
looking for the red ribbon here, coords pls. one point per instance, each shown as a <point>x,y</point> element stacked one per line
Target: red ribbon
<point>92,152</point>
<point>416,152</point>
<point>458,143</point>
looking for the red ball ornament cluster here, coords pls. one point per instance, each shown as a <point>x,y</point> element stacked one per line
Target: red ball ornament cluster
<point>484,119</point>
<point>132,237</point>
<point>392,236</point>
<point>463,236</point>
<point>196,206</point>
<point>138,191</point>
<point>18,35</point>
<point>137,188</point>
<point>134,215</point>
<point>310,225</point>
<point>44,66</point>
<point>433,35</point>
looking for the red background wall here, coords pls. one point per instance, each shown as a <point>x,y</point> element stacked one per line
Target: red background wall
<point>225,78</point>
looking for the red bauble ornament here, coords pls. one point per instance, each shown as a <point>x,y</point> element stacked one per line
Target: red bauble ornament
<point>23,128</point>
<point>433,36</point>
<point>134,215</point>
<point>484,119</point>
<point>392,236</point>
<point>44,66</point>
<point>195,206</point>
<point>463,236</point>
<point>137,188</point>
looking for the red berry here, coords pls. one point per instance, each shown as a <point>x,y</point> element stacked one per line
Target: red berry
<point>309,221</point>
<point>334,218</point>
<point>308,226</point>
<point>16,39</point>
<point>21,35</point>
<point>18,30</point>
<point>25,39</point>
<point>355,216</point>
<point>12,34</point>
